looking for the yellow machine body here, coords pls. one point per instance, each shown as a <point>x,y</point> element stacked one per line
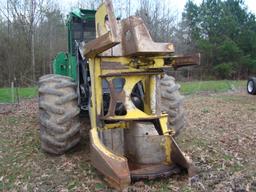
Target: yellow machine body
<point>124,50</point>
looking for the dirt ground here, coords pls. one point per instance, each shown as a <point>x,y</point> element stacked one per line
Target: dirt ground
<point>220,138</point>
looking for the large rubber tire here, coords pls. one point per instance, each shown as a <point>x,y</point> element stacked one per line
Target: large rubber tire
<point>251,85</point>
<point>58,114</point>
<point>172,104</point>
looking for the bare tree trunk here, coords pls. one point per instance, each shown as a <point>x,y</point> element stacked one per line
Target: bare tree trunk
<point>8,46</point>
<point>33,55</point>
<point>50,48</point>
<point>33,41</point>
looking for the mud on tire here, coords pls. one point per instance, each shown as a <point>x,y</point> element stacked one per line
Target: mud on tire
<point>172,104</point>
<point>58,114</point>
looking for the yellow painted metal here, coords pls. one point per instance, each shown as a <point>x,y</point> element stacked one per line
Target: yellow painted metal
<point>122,125</point>
<point>128,62</point>
<point>147,102</point>
<point>167,133</point>
<point>122,60</point>
<point>163,121</point>
<point>168,149</point>
<point>96,90</point>
<point>132,111</point>
<point>152,91</point>
<point>93,96</point>
<point>100,20</point>
<point>130,82</point>
<point>98,86</point>
<point>149,81</point>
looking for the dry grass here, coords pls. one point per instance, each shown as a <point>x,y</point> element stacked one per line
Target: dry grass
<point>220,138</point>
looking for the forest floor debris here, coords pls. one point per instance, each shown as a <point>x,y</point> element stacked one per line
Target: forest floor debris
<point>220,138</point>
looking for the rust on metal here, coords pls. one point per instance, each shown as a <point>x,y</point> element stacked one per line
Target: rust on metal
<point>120,118</point>
<point>184,60</point>
<point>113,66</point>
<point>113,28</point>
<point>99,45</point>
<point>105,41</point>
<point>180,159</point>
<point>154,171</point>
<point>136,40</point>
<point>146,72</point>
<point>115,97</point>
<point>116,170</point>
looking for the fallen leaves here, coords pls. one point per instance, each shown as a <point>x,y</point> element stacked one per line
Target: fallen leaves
<point>220,138</point>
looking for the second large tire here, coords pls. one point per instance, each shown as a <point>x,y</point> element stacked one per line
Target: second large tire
<point>172,104</point>
<point>58,114</point>
<point>251,86</point>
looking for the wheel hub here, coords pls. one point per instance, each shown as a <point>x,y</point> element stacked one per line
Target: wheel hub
<point>250,86</point>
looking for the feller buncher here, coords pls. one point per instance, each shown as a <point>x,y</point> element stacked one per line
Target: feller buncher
<point>115,72</point>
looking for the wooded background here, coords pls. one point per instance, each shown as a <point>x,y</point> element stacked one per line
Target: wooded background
<point>224,32</point>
